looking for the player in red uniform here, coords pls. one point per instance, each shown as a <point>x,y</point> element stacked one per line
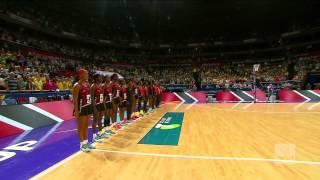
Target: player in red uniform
<point>131,99</point>
<point>98,107</point>
<point>157,93</point>
<point>82,108</point>
<point>140,95</point>
<point>146,96</point>
<point>135,96</point>
<point>151,95</point>
<point>115,98</point>
<point>123,100</point>
<point>108,105</point>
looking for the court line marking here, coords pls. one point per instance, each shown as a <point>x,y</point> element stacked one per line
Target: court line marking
<point>313,106</point>
<point>55,166</point>
<point>296,107</point>
<point>211,157</point>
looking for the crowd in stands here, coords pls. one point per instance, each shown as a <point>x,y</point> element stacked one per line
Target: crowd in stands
<point>42,70</point>
<point>22,69</point>
<point>32,72</point>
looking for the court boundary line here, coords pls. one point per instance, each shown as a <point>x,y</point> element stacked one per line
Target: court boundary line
<point>282,161</point>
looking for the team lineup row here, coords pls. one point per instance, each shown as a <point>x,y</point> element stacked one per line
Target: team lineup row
<point>107,96</point>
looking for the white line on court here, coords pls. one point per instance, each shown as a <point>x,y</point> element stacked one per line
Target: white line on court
<point>212,157</point>
<point>55,166</point>
<point>236,105</point>
<point>313,106</point>
<point>296,107</point>
<point>248,105</point>
<point>178,106</point>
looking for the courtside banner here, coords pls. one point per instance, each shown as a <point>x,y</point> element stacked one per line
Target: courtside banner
<point>166,131</point>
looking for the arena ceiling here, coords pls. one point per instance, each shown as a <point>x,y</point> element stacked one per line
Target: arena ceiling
<point>186,20</point>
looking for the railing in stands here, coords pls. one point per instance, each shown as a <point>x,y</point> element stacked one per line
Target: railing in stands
<point>27,97</point>
<point>212,88</point>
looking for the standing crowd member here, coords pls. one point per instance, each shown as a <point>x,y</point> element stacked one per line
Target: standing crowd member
<point>107,97</point>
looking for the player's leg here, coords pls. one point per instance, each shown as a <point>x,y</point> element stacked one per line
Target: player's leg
<point>139,103</point>
<point>154,101</point>
<point>115,107</point>
<point>158,100</point>
<point>100,123</point>
<point>107,116</point>
<point>106,121</point>
<point>145,103</point>
<point>133,104</point>
<point>80,130</point>
<point>122,110</point>
<point>114,112</point>
<point>101,109</point>
<point>129,108</point>
<point>150,102</point>
<point>85,133</point>
<point>96,119</point>
<point>83,122</point>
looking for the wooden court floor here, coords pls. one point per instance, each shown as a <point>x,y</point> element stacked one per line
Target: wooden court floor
<point>217,141</point>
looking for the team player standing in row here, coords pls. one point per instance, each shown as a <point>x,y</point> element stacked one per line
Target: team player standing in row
<point>108,97</point>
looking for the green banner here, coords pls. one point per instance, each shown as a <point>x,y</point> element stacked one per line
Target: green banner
<point>166,131</point>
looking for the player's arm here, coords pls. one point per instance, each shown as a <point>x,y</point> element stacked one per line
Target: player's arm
<point>75,97</point>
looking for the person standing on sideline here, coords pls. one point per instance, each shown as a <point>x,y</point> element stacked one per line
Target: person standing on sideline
<point>82,108</point>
